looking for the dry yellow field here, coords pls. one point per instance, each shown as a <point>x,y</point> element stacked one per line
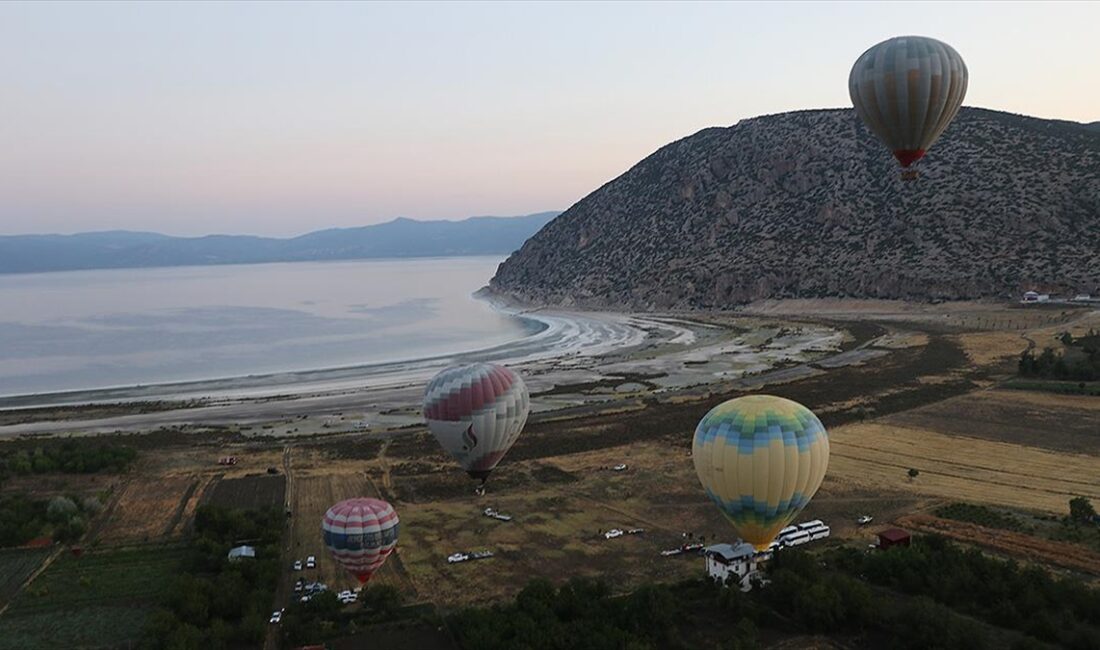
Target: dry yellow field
<point>149,507</point>
<point>877,455</point>
<point>313,492</point>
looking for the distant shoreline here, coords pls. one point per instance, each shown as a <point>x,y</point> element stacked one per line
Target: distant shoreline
<point>273,384</point>
<point>336,260</point>
<point>397,239</point>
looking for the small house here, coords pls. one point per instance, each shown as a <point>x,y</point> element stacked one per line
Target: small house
<point>729,563</point>
<point>242,552</point>
<point>892,537</point>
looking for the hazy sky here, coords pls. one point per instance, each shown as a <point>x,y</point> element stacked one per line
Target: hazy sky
<point>282,118</point>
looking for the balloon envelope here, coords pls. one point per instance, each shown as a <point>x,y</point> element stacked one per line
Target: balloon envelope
<point>476,412</point>
<point>907,90</point>
<point>360,533</point>
<point>760,459</point>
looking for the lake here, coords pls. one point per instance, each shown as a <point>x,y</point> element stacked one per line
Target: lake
<point>123,327</point>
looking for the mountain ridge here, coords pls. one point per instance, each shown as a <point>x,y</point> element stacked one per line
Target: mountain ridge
<point>809,204</point>
<point>400,237</point>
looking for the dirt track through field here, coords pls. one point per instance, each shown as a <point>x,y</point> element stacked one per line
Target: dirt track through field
<point>1070,556</point>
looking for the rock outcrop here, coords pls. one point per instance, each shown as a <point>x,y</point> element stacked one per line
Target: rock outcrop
<point>809,204</point>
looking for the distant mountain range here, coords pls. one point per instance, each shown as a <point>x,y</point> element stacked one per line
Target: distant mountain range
<point>810,204</point>
<point>397,238</point>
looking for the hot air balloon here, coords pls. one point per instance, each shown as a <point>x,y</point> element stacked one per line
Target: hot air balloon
<point>907,90</point>
<point>476,412</point>
<point>360,533</point>
<point>760,459</point>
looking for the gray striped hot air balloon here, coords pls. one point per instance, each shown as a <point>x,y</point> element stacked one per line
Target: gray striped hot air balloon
<point>907,90</point>
<point>476,412</point>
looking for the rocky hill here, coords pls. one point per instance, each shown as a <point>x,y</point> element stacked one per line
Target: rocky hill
<point>809,204</point>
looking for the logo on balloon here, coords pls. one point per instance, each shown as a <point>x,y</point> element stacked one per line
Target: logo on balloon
<point>469,440</point>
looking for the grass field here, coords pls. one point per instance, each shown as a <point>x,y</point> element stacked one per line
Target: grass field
<point>1043,420</point>
<point>248,493</point>
<point>313,495</point>
<point>877,455</point>
<point>98,600</point>
<point>16,565</point>
<point>148,508</point>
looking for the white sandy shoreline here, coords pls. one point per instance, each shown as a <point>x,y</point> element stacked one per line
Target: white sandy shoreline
<point>552,334</point>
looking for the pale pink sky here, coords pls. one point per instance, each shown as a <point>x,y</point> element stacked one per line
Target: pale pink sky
<point>283,118</point>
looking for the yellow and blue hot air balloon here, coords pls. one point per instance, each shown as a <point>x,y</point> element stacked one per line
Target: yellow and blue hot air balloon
<point>761,459</point>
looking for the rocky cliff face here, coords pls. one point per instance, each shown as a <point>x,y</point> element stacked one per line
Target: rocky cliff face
<point>809,204</point>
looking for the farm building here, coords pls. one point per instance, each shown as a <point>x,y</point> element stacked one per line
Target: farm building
<point>725,562</point>
<point>893,537</point>
<point>241,552</point>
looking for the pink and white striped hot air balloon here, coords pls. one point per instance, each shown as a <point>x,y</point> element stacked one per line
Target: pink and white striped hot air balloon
<point>360,533</point>
<point>476,412</point>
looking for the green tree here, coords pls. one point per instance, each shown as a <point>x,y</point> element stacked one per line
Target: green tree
<point>1081,510</point>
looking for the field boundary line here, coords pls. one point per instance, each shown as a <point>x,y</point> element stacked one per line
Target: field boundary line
<point>962,464</point>
<point>971,479</point>
<point>181,507</point>
<point>37,572</point>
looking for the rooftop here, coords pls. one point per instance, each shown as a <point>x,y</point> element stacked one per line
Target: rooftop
<point>729,552</point>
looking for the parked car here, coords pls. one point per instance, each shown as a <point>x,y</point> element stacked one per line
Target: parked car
<point>613,533</point>
<point>618,468</point>
<point>298,585</point>
<point>864,520</point>
<point>457,557</point>
<point>276,617</point>
<point>489,512</point>
<point>347,597</point>
<point>297,565</point>
<point>671,551</point>
<point>635,531</point>
<point>311,562</point>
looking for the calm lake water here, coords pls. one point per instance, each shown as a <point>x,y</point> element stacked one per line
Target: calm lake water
<point>96,329</point>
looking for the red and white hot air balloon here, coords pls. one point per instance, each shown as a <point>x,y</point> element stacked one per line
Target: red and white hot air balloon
<point>360,533</point>
<point>476,412</point>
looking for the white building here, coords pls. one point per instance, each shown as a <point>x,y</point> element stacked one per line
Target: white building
<point>730,564</point>
<point>241,552</point>
<point>1033,296</point>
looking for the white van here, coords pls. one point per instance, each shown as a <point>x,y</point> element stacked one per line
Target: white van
<point>795,539</point>
<point>816,523</point>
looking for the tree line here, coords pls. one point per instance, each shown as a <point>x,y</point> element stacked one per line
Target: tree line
<point>62,518</point>
<point>68,457</point>
<point>933,594</point>
<point>1078,361</point>
<point>214,603</point>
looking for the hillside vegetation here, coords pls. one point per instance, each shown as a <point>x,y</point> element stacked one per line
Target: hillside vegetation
<point>809,204</point>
